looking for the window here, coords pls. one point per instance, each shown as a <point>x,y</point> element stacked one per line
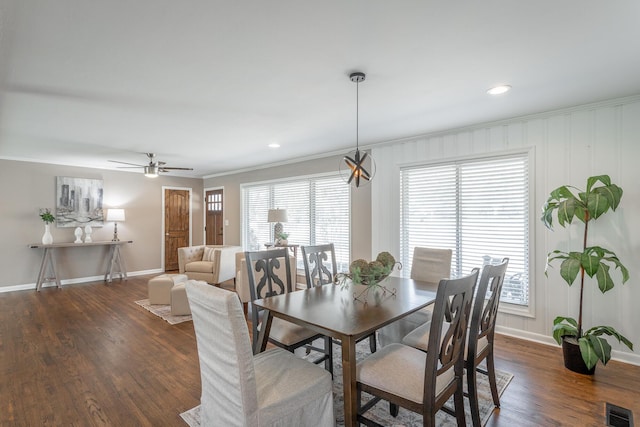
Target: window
<point>317,212</point>
<point>478,208</point>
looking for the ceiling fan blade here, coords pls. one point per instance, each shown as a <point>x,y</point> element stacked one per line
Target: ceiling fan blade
<point>125,163</point>
<point>176,169</point>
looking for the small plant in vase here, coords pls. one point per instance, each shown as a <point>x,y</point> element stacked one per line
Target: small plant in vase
<point>593,261</point>
<point>282,238</point>
<point>48,218</point>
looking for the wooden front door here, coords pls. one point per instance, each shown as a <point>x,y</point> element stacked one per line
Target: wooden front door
<point>214,226</point>
<point>176,225</point>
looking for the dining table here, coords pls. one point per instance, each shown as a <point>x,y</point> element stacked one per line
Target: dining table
<point>347,312</point>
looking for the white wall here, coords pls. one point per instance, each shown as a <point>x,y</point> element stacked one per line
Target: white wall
<point>568,146</point>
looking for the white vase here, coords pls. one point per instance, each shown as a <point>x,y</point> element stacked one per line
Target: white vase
<point>87,234</point>
<point>47,238</point>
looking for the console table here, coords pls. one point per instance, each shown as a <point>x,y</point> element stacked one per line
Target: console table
<point>48,260</point>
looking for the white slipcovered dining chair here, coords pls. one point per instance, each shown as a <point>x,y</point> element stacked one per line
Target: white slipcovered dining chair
<point>273,388</point>
<point>480,336</point>
<point>418,381</point>
<point>428,265</point>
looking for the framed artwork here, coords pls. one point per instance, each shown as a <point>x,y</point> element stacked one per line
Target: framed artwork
<point>79,202</point>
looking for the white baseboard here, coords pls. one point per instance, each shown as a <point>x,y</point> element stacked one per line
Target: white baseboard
<point>32,286</point>
<point>620,356</point>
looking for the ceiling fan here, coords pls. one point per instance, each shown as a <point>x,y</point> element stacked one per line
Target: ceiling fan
<point>153,168</point>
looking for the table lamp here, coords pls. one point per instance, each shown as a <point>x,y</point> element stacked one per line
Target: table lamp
<point>115,215</point>
<point>278,216</point>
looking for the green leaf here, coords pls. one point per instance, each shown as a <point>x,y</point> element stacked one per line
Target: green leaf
<point>591,181</point>
<point>588,354</point>
<point>561,329</point>
<point>608,330</point>
<point>604,279</point>
<point>590,262</point>
<point>569,269</point>
<point>601,348</point>
<point>597,204</point>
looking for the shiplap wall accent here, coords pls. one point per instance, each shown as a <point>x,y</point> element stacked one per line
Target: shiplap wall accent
<point>566,147</point>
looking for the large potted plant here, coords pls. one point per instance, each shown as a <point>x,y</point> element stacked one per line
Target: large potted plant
<point>593,261</point>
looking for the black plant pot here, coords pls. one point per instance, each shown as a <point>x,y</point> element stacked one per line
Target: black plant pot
<point>573,358</point>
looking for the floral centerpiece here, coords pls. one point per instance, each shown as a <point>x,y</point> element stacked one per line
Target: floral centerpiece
<point>370,273</point>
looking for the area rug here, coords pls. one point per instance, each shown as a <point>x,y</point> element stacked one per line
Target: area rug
<point>380,412</point>
<point>163,311</point>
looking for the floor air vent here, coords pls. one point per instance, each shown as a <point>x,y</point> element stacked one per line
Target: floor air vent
<point>618,417</point>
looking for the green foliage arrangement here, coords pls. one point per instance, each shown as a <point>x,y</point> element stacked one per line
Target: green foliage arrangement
<point>594,261</point>
<point>370,273</point>
<point>47,216</point>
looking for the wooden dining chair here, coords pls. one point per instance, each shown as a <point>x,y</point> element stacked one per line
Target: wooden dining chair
<point>480,336</point>
<point>428,265</point>
<point>269,274</point>
<point>319,272</point>
<point>418,381</point>
<point>239,389</point>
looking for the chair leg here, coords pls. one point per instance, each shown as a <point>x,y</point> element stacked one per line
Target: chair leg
<point>328,348</point>
<point>491,368</point>
<point>393,409</point>
<point>458,400</point>
<point>472,391</point>
<point>372,343</point>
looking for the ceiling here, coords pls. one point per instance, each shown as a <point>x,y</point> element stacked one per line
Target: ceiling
<point>209,84</point>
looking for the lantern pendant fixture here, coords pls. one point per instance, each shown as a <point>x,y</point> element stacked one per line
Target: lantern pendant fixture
<point>360,165</point>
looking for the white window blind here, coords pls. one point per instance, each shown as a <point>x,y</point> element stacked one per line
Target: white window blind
<point>318,211</point>
<point>477,208</point>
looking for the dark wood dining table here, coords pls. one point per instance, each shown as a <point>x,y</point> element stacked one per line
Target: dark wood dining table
<point>332,310</point>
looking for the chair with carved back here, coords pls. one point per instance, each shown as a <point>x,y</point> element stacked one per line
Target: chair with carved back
<point>480,336</point>
<point>269,274</point>
<point>318,271</point>
<point>418,381</point>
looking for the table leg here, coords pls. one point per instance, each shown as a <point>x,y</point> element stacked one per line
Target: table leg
<point>47,261</point>
<point>108,276</point>
<point>349,381</point>
<point>121,265</point>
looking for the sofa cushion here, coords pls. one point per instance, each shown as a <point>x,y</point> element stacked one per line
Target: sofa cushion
<point>208,254</point>
<point>200,267</point>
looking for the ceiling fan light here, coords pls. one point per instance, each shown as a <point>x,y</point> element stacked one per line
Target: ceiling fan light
<point>151,171</point>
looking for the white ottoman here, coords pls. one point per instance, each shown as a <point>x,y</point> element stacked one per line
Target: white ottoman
<point>179,300</point>
<point>160,287</point>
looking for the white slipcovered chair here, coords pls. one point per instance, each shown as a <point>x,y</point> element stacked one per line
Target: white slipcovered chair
<point>273,388</point>
<point>428,265</point>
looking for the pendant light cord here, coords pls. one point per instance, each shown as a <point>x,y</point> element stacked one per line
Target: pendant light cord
<point>357,115</point>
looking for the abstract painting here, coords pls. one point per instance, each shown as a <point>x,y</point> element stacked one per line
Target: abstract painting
<point>79,202</point>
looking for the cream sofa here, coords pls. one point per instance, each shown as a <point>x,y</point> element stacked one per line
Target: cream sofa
<point>213,264</point>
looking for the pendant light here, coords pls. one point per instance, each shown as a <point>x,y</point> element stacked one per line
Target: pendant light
<point>357,167</point>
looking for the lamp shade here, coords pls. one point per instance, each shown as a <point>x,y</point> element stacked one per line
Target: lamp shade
<point>115,214</point>
<point>277,215</point>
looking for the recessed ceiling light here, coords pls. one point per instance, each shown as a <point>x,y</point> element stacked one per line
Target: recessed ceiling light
<point>499,90</point>
<point>274,145</point>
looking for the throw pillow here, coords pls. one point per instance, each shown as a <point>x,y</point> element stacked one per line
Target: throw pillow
<point>208,254</point>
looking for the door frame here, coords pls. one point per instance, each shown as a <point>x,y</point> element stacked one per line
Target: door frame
<point>204,213</point>
<point>162,246</point>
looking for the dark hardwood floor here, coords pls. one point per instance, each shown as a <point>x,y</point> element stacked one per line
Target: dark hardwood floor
<point>86,355</point>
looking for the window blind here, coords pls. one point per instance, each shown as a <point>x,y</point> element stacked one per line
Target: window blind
<point>477,208</point>
<point>318,212</point>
